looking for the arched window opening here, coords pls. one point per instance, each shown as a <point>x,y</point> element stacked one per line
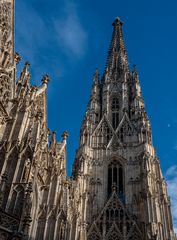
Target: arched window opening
<point>50,228</point>
<point>115,112</point>
<point>115,179</point>
<point>19,203</point>
<point>115,104</point>
<point>104,134</point>
<point>121,135</point>
<point>12,202</point>
<point>96,118</point>
<point>16,201</point>
<point>108,135</point>
<point>120,180</point>
<point>109,181</point>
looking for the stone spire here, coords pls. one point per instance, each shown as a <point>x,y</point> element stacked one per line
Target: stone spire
<point>117,57</point>
<point>116,166</point>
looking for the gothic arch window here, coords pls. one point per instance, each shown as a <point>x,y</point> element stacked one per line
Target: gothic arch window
<point>60,228</point>
<point>104,134</point>
<point>11,164</point>
<point>53,189</point>
<point>51,228</point>
<point>25,166</point>
<point>17,200</point>
<point>125,132</point>
<point>96,118</point>
<point>12,203</point>
<point>19,203</point>
<point>35,207</point>
<point>115,112</point>
<point>115,178</point>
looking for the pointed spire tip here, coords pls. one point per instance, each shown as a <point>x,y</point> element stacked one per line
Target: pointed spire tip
<point>96,76</point>
<point>45,79</point>
<point>117,22</point>
<point>65,135</point>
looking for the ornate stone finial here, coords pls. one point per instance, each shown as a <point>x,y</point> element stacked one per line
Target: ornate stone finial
<point>24,72</point>
<point>64,135</point>
<point>134,68</point>
<point>135,71</point>
<point>53,139</point>
<point>27,64</point>
<point>114,187</point>
<point>45,79</point>
<point>117,22</point>
<point>17,58</point>
<point>96,76</point>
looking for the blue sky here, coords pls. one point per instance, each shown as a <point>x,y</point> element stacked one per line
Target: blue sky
<point>69,39</point>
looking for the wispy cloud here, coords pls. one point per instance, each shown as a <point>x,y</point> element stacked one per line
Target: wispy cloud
<point>71,35</point>
<point>31,39</point>
<point>30,29</point>
<point>46,39</point>
<point>171,175</point>
<point>171,172</point>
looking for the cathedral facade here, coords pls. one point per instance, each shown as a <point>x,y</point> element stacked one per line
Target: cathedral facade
<point>117,190</point>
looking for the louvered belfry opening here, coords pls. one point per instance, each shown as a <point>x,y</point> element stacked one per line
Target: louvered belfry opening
<point>115,112</point>
<point>115,178</point>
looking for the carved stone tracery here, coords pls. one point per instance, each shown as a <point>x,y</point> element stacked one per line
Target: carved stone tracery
<point>114,222</point>
<point>6,52</point>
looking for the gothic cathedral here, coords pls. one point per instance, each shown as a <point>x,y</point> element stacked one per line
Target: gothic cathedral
<point>116,192</point>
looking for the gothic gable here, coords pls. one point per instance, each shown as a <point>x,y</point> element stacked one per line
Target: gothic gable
<point>94,233</point>
<point>114,222</point>
<point>126,132</point>
<point>103,133</point>
<point>114,143</point>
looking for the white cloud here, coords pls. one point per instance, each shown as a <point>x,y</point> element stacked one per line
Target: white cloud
<point>172,171</point>
<point>70,33</point>
<point>171,175</point>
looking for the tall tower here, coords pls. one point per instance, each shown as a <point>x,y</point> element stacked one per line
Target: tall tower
<point>7,59</point>
<point>121,193</point>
